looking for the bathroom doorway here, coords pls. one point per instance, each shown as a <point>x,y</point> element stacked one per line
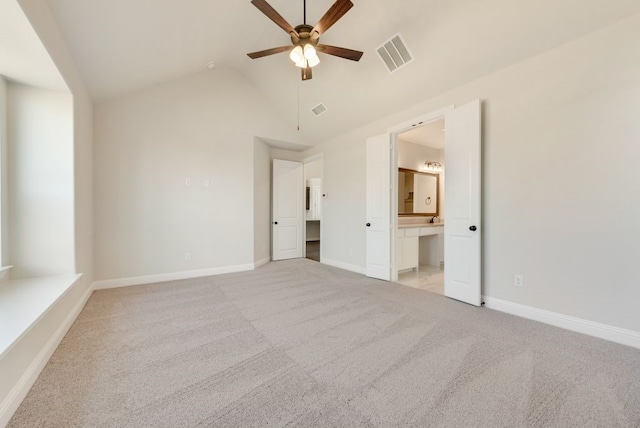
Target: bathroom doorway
<point>463,228</point>
<point>420,238</point>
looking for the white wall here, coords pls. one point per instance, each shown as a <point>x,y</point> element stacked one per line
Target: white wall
<point>4,177</point>
<point>262,201</point>
<point>560,138</point>
<point>413,156</point>
<point>147,144</point>
<point>41,205</point>
<point>313,169</point>
<point>284,154</point>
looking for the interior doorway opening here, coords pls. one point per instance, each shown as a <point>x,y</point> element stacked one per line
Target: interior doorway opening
<point>463,222</point>
<point>313,168</point>
<point>420,154</point>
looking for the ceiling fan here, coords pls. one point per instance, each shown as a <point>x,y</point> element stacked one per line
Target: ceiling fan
<point>305,38</point>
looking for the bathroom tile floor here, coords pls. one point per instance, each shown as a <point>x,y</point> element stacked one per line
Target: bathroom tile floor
<point>429,278</point>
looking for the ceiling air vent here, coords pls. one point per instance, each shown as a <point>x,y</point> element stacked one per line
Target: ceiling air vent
<point>394,53</point>
<point>319,109</point>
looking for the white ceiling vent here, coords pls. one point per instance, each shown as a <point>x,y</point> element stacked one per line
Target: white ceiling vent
<point>319,109</point>
<point>394,53</point>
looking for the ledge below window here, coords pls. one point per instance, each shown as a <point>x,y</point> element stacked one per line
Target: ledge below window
<point>4,274</point>
<point>24,302</point>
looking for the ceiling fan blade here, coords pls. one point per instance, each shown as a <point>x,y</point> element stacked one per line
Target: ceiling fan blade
<point>335,12</point>
<point>306,73</point>
<point>340,52</point>
<point>267,52</point>
<point>271,13</point>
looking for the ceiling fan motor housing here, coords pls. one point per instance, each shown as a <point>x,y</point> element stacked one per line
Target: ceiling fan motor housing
<point>304,36</point>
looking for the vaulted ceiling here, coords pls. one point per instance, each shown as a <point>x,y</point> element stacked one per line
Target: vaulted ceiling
<point>124,45</point>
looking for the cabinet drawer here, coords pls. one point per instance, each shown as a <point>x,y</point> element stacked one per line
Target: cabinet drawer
<point>413,231</point>
<point>436,230</point>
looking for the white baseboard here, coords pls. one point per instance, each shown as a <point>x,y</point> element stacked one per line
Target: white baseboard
<point>602,331</point>
<point>345,266</point>
<point>173,276</point>
<point>20,390</point>
<point>262,262</point>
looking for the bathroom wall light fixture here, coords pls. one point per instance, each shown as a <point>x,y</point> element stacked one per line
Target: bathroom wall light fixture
<point>432,166</point>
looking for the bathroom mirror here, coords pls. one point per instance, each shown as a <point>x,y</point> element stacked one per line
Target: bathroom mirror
<point>417,193</point>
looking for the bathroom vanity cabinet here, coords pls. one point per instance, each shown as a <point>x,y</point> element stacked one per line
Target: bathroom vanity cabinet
<point>419,244</point>
<point>407,247</point>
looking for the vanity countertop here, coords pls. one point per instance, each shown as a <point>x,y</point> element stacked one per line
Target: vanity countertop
<point>425,224</point>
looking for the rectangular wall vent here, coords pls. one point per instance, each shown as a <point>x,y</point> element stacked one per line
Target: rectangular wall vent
<point>394,53</point>
<point>319,109</point>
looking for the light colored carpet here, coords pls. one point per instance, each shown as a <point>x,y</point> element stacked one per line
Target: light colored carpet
<point>299,343</point>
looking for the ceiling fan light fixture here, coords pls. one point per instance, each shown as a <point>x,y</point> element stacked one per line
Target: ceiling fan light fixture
<point>297,55</point>
<point>309,51</point>
<point>314,61</point>
<point>311,55</point>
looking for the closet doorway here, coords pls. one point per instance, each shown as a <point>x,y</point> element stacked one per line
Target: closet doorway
<point>313,207</point>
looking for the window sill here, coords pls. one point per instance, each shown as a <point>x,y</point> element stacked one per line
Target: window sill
<point>4,274</point>
<point>24,302</point>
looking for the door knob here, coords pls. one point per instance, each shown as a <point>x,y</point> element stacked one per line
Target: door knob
<point>368,224</point>
<point>473,228</point>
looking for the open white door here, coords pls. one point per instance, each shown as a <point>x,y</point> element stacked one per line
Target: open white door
<point>288,210</point>
<point>378,221</point>
<point>462,230</point>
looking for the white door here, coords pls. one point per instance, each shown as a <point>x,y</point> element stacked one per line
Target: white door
<point>288,209</point>
<point>378,212</point>
<point>462,227</point>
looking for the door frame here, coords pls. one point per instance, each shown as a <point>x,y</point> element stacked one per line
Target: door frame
<point>395,131</point>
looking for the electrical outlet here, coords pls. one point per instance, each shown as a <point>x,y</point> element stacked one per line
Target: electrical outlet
<point>187,256</point>
<point>518,280</point>
<point>187,182</point>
